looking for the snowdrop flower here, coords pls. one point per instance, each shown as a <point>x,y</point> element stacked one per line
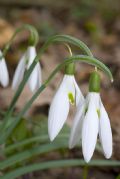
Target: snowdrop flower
<point>27,59</point>
<point>4,76</point>
<point>67,93</point>
<point>90,120</point>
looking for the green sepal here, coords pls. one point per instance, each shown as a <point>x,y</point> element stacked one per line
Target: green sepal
<point>70,69</point>
<point>94,82</point>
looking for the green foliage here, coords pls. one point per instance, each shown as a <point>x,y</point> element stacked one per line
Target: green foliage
<point>56,164</point>
<point>25,139</point>
<point>118,177</point>
<point>20,133</point>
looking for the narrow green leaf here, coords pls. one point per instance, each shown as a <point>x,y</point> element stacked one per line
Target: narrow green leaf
<point>33,152</point>
<point>40,139</point>
<point>53,39</point>
<point>57,164</point>
<point>70,40</point>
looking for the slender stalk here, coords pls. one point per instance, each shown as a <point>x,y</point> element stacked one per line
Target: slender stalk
<point>85,172</point>
<point>33,38</point>
<point>53,39</point>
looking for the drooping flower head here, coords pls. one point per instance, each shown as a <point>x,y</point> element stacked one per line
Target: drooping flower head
<point>27,59</point>
<point>4,76</point>
<point>90,121</point>
<point>67,93</point>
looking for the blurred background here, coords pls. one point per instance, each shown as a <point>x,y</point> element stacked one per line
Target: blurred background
<point>97,23</point>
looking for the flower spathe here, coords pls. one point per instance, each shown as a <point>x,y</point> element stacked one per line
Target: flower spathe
<point>27,59</point>
<point>4,76</point>
<point>67,93</point>
<point>91,120</point>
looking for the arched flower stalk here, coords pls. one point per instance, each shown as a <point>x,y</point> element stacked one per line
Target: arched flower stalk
<point>91,120</point>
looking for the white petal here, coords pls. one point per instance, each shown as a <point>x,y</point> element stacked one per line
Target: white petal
<point>90,127</point>
<point>34,81</point>
<point>79,95</point>
<point>30,54</point>
<point>39,76</point>
<point>105,132</point>
<point>58,111</point>
<point>76,131</point>
<point>19,72</point>
<point>4,76</point>
<point>35,78</point>
<point>75,134</point>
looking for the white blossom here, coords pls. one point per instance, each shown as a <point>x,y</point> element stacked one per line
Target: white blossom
<point>67,93</point>
<point>27,59</point>
<point>4,76</point>
<point>90,120</point>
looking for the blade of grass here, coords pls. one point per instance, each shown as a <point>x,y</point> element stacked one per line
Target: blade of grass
<point>33,152</point>
<point>54,39</point>
<point>56,164</point>
<point>40,139</point>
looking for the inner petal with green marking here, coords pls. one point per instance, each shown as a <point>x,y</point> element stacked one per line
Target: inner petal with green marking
<point>71,98</point>
<point>98,112</point>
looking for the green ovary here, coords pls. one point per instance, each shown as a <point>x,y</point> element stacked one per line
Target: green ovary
<point>71,98</point>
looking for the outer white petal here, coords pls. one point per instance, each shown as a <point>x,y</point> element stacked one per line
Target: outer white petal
<point>105,132</point>
<point>75,134</point>
<point>79,95</point>
<point>30,54</point>
<point>34,81</point>
<point>39,76</point>
<point>90,127</point>
<point>59,110</point>
<point>35,78</point>
<point>19,72</point>
<point>4,76</point>
<point>76,130</point>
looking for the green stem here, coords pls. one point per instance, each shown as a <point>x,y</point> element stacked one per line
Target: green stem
<point>81,58</point>
<point>85,172</point>
<point>53,39</point>
<point>33,39</point>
